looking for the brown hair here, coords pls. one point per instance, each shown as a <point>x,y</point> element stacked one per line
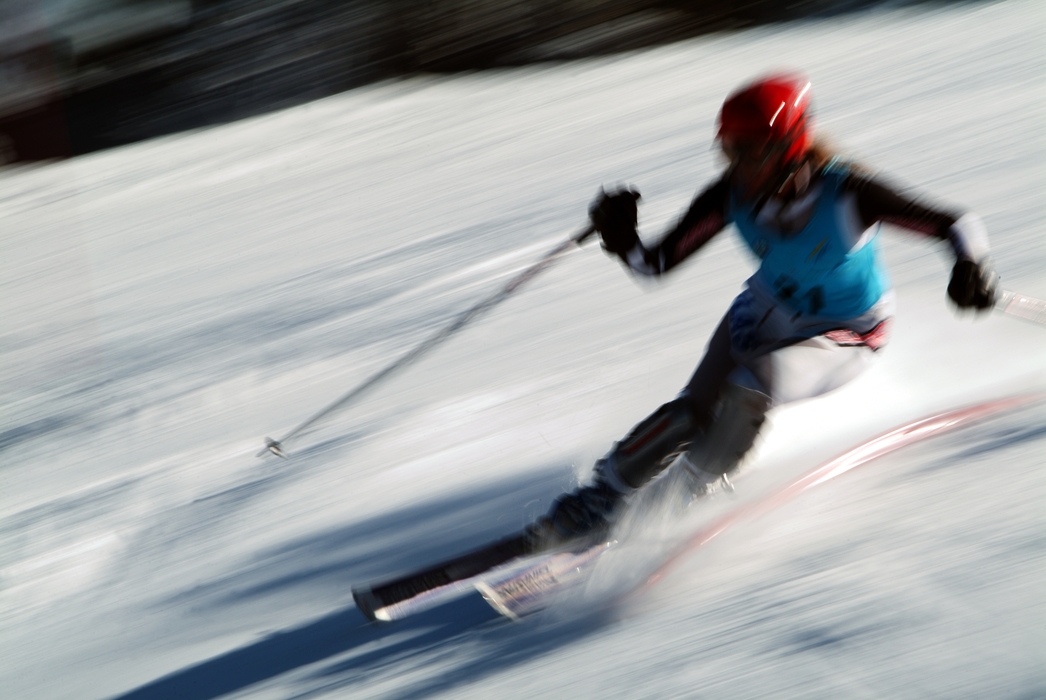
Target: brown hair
<point>823,150</point>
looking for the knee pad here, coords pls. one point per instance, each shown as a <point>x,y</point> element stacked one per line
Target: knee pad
<point>719,449</point>
<point>649,447</point>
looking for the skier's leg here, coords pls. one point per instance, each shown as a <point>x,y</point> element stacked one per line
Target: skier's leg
<point>646,451</point>
<point>804,370</point>
<point>705,386</point>
<point>731,433</point>
<point>588,510</point>
<point>652,444</point>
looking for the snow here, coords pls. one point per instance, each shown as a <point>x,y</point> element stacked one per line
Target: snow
<point>169,303</point>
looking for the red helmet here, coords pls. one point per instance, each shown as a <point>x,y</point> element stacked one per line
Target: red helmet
<point>772,111</point>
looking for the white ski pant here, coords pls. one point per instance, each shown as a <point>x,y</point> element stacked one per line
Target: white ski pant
<point>763,346</point>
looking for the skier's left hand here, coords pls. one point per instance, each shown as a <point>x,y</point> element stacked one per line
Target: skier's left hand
<point>974,285</point>
<point>614,215</point>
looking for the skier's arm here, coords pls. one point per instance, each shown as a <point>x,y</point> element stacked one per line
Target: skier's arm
<point>704,219</point>
<point>973,281</point>
<point>876,201</point>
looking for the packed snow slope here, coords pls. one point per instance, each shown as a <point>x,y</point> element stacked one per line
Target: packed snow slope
<point>167,305</point>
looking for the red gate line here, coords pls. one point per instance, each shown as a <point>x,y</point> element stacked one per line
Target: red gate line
<point>888,442</point>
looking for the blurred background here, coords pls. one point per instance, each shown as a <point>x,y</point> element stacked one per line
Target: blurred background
<point>81,75</point>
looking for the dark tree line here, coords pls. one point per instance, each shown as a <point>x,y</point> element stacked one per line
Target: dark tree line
<point>221,60</point>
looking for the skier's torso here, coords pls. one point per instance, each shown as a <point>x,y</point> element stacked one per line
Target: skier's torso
<point>827,267</point>
<point>817,249</point>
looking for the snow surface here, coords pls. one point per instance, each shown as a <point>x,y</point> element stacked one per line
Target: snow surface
<point>168,304</point>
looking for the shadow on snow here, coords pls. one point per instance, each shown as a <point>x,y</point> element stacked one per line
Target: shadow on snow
<point>356,651</point>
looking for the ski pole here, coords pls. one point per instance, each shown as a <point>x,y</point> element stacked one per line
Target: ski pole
<point>276,446</point>
<point>1021,306</point>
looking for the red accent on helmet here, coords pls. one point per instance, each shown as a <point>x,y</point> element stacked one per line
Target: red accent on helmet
<point>772,109</point>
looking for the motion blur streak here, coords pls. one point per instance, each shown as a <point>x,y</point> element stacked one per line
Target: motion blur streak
<point>167,304</point>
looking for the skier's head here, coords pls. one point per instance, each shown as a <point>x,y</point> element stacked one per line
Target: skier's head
<point>764,130</point>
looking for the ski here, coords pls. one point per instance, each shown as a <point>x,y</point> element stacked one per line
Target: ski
<point>531,590</point>
<point>380,602</point>
<point>407,594</point>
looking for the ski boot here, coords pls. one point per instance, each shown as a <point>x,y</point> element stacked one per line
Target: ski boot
<point>581,517</point>
<point>585,514</point>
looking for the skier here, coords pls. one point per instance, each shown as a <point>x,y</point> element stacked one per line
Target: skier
<point>812,316</point>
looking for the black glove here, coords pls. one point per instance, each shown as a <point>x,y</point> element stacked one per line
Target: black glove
<point>973,285</point>
<point>614,215</point>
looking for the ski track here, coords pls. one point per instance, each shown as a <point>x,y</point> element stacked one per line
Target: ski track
<point>169,303</point>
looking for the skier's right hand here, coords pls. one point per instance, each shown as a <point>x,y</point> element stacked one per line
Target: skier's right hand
<point>614,215</point>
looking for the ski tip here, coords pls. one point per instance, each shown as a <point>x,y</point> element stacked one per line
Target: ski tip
<point>370,605</point>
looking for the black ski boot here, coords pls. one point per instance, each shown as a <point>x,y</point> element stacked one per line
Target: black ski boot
<point>582,516</point>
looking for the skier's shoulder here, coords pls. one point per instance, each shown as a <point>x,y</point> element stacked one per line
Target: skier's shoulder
<point>847,174</point>
<point>840,170</point>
